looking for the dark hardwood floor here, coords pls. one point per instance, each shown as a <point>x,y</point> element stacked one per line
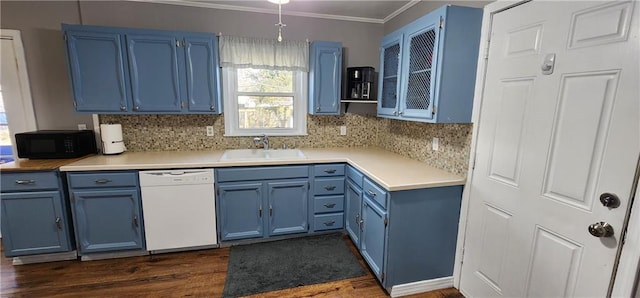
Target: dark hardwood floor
<point>197,273</point>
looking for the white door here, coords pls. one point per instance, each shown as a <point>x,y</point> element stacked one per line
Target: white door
<point>549,145</point>
<point>15,95</point>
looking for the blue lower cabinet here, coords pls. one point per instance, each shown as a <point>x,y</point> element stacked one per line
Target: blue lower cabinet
<point>288,205</point>
<point>374,224</point>
<point>34,223</point>
<point>107,220</point>
<point>353,197</point>
<point>240,210</point>
<point>404,236</point>
<point>260,202</point>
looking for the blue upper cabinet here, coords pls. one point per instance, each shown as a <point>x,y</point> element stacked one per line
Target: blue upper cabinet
<point>389,86</point>
<point>98,71</point>
<point>437,57</point>
<point>325,77</point>
<point>137,71</point>
<point>203,75</point>
<point>155,79</point>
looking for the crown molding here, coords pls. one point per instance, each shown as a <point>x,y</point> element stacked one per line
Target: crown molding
<point>274,11</point>
<point>400,10</point>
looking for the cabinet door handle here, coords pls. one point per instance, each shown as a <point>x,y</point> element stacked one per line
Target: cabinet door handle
<point>329,223</point>
<point>330,187</point>
<point>331,205</point>
<point>330,171</point>
<point>270,210</point>
<point>59,223</point>
<point>103,181</point>
<point>25,182</point>
<point>135,220</point>
<point>260,212</point>
<point>371,193</point>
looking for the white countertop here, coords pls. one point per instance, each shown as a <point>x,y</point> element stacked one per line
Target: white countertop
<point>392,171</point>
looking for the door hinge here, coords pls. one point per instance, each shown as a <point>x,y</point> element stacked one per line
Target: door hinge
<point>382,276</point>
<point>486,49</point>
<point>386,221</point>
<point>177,43</point>
<point>441,23</point>
<point>64,37</point>
<point>473,165</point>
<point>75,104</point>
<point>218,191</point>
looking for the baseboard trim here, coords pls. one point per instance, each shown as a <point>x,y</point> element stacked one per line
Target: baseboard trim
<point>422,286</point>
<point>54,257</point>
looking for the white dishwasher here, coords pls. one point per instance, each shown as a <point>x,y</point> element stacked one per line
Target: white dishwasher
<point>179,209</point>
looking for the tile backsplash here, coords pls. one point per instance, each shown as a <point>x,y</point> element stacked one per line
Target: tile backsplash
<point>411,139</point>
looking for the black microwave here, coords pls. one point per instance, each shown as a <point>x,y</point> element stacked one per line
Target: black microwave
<point>55,143</point>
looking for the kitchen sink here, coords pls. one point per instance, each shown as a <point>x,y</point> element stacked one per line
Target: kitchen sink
<point>253,154</point>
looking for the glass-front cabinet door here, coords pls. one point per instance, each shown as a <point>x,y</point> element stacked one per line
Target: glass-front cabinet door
<point>389,82</point>
<point>419,67</point>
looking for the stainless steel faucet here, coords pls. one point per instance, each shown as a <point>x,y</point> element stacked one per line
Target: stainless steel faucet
<point>264,139</point>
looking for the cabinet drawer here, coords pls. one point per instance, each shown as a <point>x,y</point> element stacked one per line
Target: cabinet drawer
<point>26,181</point>
<point>328,204</point>
<point>331,221</point>
<point>103,179</point>
<point>355,176</point>
<point>261,173</point>
<point>375,192</point>
<point>329,186</point>
<point>328,170</point>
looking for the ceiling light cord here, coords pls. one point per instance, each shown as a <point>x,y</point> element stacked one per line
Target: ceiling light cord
<point>280,24</point>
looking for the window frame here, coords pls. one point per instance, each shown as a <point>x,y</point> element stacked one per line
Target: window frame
<point>231,112</point>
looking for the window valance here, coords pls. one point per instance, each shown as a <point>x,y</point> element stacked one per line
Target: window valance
<point>242,52</point>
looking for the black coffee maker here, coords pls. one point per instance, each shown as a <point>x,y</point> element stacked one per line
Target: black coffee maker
<point>360,83</point>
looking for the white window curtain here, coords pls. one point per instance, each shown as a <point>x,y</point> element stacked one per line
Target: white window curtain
<point>246,52</point>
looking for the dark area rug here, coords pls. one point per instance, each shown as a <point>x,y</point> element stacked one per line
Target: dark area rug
<point>290,263</point>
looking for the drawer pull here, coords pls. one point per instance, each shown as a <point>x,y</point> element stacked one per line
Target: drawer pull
<point>330,171</point>
<point>135,220</point>
<point>103,181</point>
<point>331,205</point>
<point>330,187</point>
<point>59,223</point>
<point>329,223</point>
<point>371,193</point>
<point>25,182</point>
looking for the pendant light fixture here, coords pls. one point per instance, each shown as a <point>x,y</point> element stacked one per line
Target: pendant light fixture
<point>280,24</point>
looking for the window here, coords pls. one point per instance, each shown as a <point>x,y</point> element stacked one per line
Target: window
<point>264,101</point>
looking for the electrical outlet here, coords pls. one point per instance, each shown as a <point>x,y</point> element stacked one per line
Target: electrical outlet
<point>435,143</point>
<point>343,130</point>
<point>82,126</point>
<point>209,131</point>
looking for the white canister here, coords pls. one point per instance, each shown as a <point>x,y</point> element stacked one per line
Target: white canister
<point>112,142</point>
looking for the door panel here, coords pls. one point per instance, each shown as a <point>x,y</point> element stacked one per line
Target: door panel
<point>29,223</point>
<point>97,68</point>
<point>153,66</point>
<point>288,207</point>
<point>202,74</point>
<point>389,82</point>
<point>240,210</point>
<point>373,236</point>
<point>326,77</point>
<point>548,145</point>
<point>353,197</point>
<point>107,220</point>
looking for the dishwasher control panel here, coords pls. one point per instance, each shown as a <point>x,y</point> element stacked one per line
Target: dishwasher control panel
<point>176,177</point>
